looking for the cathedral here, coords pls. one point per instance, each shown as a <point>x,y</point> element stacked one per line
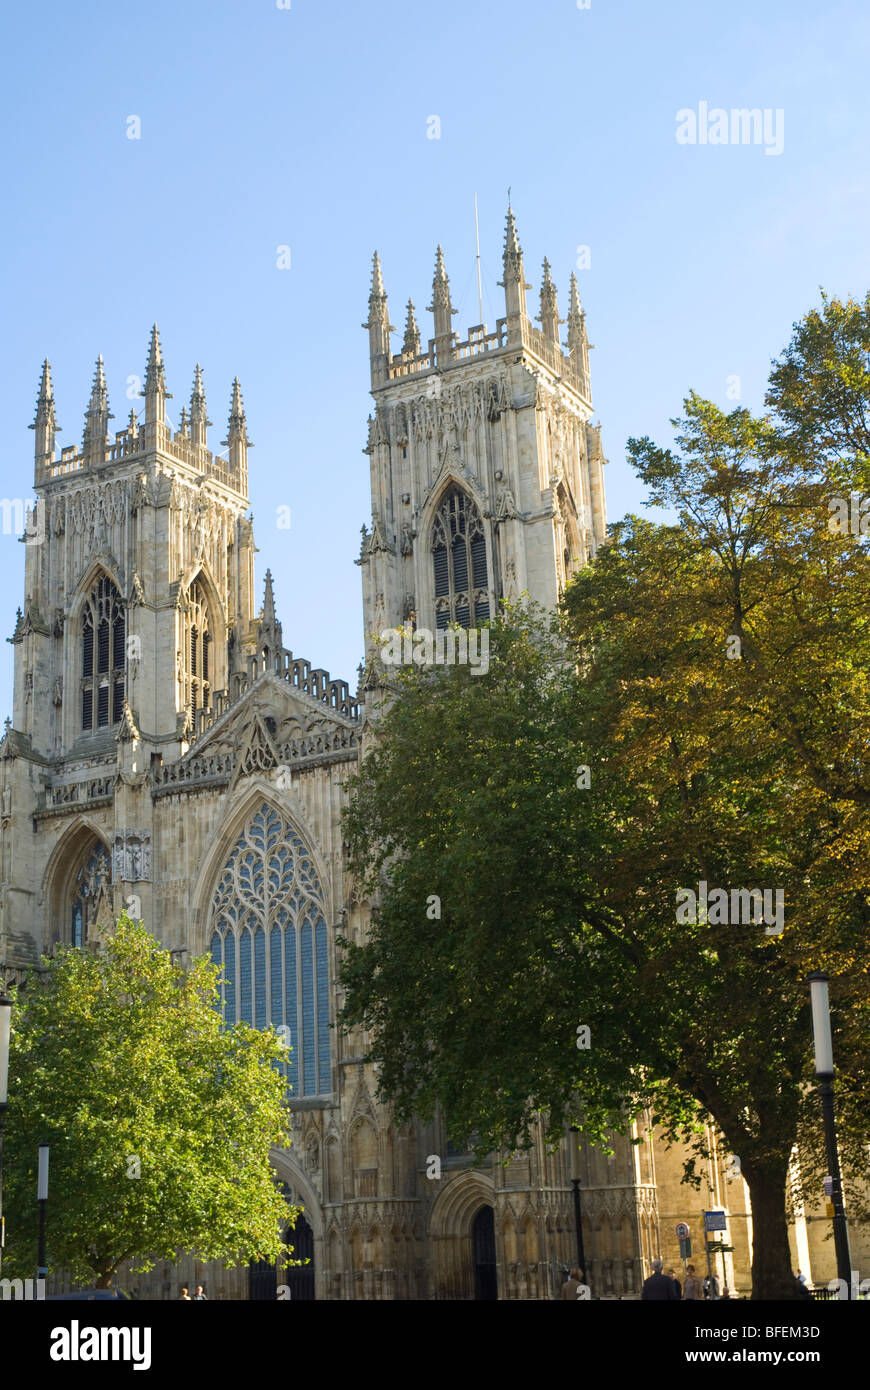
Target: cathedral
<point>168,755</point>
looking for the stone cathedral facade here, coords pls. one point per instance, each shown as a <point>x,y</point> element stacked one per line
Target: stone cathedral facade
<point>168,754</point>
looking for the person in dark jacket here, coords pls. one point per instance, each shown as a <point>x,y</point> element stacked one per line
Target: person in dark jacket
<point>658,1287</point>
<point>677,1285</point>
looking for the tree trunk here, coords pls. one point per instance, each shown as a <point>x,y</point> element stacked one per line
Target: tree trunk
<point>772,1275</point>
<point>104,1278</point>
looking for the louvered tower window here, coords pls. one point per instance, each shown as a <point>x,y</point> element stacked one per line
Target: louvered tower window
<point>197,649</point>
<point>104,636</point>
<point>459,562</point>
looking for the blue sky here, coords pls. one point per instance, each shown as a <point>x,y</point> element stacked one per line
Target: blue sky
<point>307,127</point>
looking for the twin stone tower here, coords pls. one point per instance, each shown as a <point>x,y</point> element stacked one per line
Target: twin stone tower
<point>168,755</point>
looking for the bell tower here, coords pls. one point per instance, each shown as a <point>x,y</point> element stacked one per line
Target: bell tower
<point>486,469</point>
<point>138,629</point>
<point>139,573</point>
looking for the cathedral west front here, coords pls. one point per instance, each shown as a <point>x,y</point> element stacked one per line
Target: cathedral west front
<point>169,755</point>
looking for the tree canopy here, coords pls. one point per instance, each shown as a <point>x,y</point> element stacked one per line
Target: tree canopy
<point>160,1120</point>
<point>711,674</point>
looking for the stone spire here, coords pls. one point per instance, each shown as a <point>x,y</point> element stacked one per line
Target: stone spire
<point>578,343</point>
<point>237,432</point>
<point>549,315</point>
<point>442,309</point>
<point>411,344</point>
<point>199,421</point>
<point>269,635</point>
<point>97,417</point>
<point>45,424</point>
<point>155,393</point>
<point>514,282</point>
<point>378,324</point>
<point>183,428</point>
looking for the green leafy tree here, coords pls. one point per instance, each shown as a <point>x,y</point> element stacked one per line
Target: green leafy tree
<point>712,676</point>
<point>160,1120</point>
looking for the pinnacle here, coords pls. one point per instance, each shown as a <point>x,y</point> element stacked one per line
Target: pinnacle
<point>549,315</point>
<point>98,414</point>
<point>46,391</point>
<point>511,239</point>
<point>45,399</point>
<point>378,290</point>
<point>441,291</point>
<point>412,333</point>
<point>198,408</point>
<point>154,376</point>
<point>236,428</point>
<point>512,261</point>
<point>99,401</point>
<point>268,601</point>
<point>155,355</point>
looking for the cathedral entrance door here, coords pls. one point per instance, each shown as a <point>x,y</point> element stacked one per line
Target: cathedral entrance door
<point>483,1247</point>
<point>300,1278</point>
<point>262,1282</point>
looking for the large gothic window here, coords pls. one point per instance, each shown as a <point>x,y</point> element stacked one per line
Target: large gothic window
<point>90,885</point>
<point>197,650</point>
<point>104,633</point>
<point>268,933</point>
<point>459,560</point>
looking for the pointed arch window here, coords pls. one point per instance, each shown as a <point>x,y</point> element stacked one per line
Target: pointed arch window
<point>196,647</point>
<point>267,931</point>
<point>459,562</point>
<point>104,637</point>
<point>88,888</point>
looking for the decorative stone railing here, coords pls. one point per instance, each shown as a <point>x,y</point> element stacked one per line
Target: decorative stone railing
<point>479,342</point>
<point>73,794</point>
<point>217,769</point>
<point>298,672</point>
<point>127,444</point>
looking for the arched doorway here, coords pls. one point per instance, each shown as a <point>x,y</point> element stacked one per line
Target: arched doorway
<point>483,1254</point>
<point>300,1278</point>
<point>262,1282</point>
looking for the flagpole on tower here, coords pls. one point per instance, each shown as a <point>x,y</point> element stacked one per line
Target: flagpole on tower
<point>479,283</point>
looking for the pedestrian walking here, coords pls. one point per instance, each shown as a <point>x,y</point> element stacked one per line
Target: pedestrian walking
<point>572,1285</point>
<point>658,1287</point>
<point>693,1289</point>
<point>200,1296</point>
<point>711,1287</point>
<point>184,1296</point>
<point>677,1285</point>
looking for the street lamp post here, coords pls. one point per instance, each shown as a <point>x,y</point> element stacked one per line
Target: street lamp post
<point>824,1063</point>
<point>5,1030</point>
<point>42,1199</point>
<point>578,1216</point>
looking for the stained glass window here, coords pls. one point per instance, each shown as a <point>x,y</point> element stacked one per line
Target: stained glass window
<point>90,883</point>
<point>269,892</point>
